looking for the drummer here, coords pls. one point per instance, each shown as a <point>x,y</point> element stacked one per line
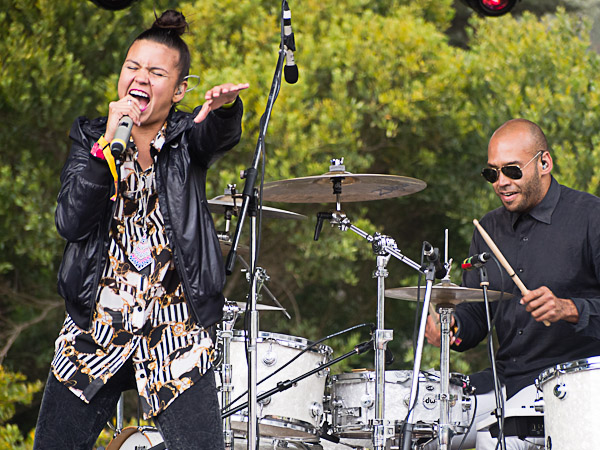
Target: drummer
<point>550,235</point>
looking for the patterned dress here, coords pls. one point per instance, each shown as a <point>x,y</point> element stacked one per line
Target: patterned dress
<point>141,311</point>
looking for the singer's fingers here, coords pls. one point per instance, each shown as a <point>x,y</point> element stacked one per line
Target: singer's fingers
<point>228,90</point>
<point>126,106</point>
<point>206,108</point>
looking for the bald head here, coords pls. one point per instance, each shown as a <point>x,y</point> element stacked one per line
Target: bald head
<point>532,135</point>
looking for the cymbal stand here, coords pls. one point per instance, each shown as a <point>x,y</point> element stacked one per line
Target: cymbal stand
<point>445,429</point>
<point>384,247</point>
<point>225,334</point>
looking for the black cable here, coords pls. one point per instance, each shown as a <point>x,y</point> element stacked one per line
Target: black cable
<point>312,345</point>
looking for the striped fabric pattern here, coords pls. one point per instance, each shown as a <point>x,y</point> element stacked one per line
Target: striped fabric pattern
<point>139,314</point>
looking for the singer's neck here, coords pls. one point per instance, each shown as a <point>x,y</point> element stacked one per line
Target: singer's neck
<point>142,137</point>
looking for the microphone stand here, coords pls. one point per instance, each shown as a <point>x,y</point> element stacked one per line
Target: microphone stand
<point>408,424</point>
<point>250,176</point>
<point>498,412</point>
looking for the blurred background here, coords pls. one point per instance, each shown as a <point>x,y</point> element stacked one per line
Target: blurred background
<point>398,87</point>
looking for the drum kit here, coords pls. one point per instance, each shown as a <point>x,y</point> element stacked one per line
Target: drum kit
<point>297,403</point>
<point>361,409</point>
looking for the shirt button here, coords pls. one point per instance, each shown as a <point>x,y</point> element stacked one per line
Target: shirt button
<point>520,332</point>
<point>525,239</point>
<point>520,270</point>
<point>514,360</point>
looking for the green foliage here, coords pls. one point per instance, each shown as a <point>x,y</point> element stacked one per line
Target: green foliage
<point>13,390</point>
<point>379,85</point>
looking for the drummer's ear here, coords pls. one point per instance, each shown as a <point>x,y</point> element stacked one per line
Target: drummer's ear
<point>546,163</point>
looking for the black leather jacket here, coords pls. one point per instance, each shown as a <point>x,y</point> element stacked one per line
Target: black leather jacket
<point>84,211</point>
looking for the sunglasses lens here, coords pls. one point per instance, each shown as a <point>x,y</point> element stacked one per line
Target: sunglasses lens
<point>490,175</point>
<point>513,172</point>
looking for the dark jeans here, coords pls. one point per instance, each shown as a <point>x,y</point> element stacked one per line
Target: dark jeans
<point>191,422</point>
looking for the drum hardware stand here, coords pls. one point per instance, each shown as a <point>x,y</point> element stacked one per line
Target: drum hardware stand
<point>284,385</point>
<point>250,176</point>
<point>499,411</point>
<point>225,334</point>
<point>384,247</point>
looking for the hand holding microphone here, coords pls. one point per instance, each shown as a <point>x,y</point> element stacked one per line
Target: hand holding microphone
<point>122,115</point>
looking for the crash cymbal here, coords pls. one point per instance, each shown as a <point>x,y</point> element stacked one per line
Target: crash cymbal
<point>446,293</point>
<point>355,188</point>
<point>259,307</point>
<point>222,203</point>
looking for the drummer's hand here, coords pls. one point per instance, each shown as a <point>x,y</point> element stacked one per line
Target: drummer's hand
<point>544,305</point>
<point>219,96</point>
<point>433,332</point>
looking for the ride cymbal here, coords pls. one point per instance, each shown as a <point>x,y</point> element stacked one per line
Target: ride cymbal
<point>445,293</point>
<point>354,188</point>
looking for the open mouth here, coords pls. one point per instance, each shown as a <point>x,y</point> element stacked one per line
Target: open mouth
<point>508,195</point>
<point>142,98</point>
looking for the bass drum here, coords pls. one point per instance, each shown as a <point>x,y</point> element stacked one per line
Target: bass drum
<point>294,414</point>
<point>572,404</point>
<point>137,438</point>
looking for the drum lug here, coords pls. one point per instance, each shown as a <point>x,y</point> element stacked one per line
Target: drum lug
<point>560,391</point>
<point>270,358</point>
<point>316,411</point>
<point>367,401</point>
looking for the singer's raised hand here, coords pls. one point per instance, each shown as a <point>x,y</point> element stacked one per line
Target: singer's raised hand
<point>219,96</point>
<point>126,106</point>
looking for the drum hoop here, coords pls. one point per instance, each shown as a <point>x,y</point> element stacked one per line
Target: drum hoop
<point>125,433</point>
<point>284,340</point>
<point>369,375</point>
<point>578,365</point>
<point>282,422</point>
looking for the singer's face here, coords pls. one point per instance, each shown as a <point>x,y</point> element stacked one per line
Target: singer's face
<point>150,74</point>
<point>516,147</point>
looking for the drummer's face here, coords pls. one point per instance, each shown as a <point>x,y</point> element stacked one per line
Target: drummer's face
<point>515,147</point>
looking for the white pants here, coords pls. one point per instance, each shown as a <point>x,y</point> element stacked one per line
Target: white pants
<point>483,440</point>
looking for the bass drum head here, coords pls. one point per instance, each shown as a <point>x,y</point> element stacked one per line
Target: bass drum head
<point>134,438</point>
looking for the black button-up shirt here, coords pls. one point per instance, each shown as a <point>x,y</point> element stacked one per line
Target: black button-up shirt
<point>556,244</point>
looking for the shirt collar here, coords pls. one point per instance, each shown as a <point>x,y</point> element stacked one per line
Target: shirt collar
<point>543,211</point>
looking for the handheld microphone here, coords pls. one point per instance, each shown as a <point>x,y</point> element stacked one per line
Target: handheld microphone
<point>290,71</point>
<point>475,261</point>
<point>433,256</point>
<point>121,138</point>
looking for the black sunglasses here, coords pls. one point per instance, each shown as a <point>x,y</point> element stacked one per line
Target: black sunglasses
<point>512,171</point>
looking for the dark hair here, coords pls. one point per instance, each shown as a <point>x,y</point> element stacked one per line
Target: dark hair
<point>167,30</point>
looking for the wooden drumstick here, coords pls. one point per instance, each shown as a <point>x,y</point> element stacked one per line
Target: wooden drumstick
<point>503,261</point>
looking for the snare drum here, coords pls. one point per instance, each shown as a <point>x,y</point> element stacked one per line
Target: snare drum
<point>296,413</point>
<point>135,438</point>
<point>353,402</point>
<point>572,404</point>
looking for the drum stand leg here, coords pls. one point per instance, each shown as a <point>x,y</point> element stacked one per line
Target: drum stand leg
<point>445,431</point>
<point>382,430</point>
<point>225,335</point>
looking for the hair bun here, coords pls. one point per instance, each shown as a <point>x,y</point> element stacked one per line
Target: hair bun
<point>172,20</point>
